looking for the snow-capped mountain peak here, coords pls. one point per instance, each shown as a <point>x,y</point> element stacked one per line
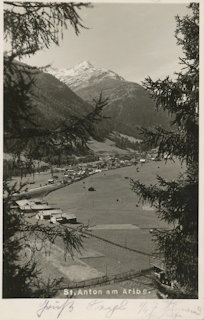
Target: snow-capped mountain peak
<point>84,65</point>
<point>82,74</point>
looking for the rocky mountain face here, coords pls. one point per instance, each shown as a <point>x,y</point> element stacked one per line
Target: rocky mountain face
<point>129,105</point>
<point>82,75</point>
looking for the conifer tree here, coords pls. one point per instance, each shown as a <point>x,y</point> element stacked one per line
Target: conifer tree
<point>30,27</point>
<point>176,201</point>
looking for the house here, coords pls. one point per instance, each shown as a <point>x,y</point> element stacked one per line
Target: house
<point>39,201</point>
<point>142,161</point>
<point>38,207</point>
<point>70,217</point>
<point>30,206</point>
<point>69,173</point>
<point>159,265</point>
<point>51,181</point>
<point>63,218</point>
<point>46,214</point>
<point>23,204</point>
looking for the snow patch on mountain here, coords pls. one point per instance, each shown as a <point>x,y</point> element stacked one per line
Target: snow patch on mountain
<point>82,75</point>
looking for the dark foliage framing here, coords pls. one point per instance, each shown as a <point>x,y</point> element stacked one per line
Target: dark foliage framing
<point>176,201</point>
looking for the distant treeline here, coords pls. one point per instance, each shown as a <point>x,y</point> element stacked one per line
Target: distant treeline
<point>70,160</point>
<point>12,168</point>
<point>124,143</point>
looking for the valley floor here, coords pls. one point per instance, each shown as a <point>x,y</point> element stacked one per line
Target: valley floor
<point>117,239</point>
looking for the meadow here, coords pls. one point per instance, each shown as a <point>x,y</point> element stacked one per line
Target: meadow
<point>119,238</point>
<point>113,212</point>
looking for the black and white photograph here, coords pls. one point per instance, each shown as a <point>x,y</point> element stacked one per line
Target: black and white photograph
<point>100,156</point>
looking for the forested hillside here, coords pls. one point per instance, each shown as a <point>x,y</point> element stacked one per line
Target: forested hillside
<point>47,104</point>
<point>130,106</point>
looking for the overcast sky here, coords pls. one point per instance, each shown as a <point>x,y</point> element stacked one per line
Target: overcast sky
<point>135,40</point>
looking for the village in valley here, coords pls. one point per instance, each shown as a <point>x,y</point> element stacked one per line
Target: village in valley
<point>101,155</point>
<point>75,197</point>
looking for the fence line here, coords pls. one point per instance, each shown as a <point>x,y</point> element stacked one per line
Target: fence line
<point>113,243</point>
<point>105,279</point>
<point>119,245</point>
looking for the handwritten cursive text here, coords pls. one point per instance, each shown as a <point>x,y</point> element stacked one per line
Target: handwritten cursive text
<point>109,309</point>
<point>59,306</point>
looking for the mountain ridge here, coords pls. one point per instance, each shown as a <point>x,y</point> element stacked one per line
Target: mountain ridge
<point>82,75</point>
<point>130,106</point>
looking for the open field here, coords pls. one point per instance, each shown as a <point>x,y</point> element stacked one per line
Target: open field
<point>114,214</point>
<point>105,148</point>
<point>113,201</point>
<point>40,179</point>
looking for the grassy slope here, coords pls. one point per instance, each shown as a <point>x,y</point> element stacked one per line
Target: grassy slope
<point>107,146</point>
<point>101,206</point>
